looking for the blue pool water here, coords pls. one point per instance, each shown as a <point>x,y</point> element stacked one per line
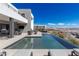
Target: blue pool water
<point>47,41</point>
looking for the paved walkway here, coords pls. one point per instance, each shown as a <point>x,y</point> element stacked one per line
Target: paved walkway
<point>4,42</point>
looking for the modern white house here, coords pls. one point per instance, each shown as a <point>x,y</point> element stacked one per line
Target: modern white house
<point>13,20</point>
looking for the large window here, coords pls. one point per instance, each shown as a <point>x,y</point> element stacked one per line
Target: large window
<point>0,27</point>
<point>23,15</point>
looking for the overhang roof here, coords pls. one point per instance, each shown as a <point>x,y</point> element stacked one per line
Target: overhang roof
<point>7,11</point>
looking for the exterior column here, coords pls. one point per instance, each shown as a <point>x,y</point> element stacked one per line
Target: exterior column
<point>11,27</point>
<point>15,25</point>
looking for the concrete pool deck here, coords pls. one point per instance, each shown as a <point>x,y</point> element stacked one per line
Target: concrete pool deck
<point>27,52</point>
<point>38,52</point>
<point>4,42</point>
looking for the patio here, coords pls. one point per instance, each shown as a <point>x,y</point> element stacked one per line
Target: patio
<point>5,41</point>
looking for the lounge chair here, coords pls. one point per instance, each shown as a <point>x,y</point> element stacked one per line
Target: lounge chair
<point>4,31</point>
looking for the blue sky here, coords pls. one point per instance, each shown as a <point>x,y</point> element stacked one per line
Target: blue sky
<point>53,14</point>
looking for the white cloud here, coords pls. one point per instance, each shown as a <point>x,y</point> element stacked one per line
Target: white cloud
<point>60,24</point>
<point>51,24</point>
<point>73,24</point>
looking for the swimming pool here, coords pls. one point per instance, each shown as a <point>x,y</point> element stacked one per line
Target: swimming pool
<point>47,41</point>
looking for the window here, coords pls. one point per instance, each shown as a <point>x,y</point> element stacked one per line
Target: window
<point>23,14</point>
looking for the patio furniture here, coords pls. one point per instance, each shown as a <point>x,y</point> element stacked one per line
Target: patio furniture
<point>29,33</point>
<point>4,32</point>
<point>18,32</point>
<point>35,32</point>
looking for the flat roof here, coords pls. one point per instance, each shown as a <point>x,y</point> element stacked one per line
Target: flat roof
<point>4,10</point>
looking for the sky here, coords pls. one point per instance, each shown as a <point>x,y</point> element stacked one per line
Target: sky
<point>53,14</point>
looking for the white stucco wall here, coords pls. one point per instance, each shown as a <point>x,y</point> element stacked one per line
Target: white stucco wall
<point>30,17</point>
<point>32,24</point>
<point>7,10</point>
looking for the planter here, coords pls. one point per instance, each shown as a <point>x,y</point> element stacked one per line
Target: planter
<point>29,32</point>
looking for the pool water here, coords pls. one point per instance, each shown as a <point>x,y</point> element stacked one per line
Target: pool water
<point>47,41</point>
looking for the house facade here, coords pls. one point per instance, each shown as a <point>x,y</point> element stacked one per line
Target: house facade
<point>12,21</point>
<point>27,13</point>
